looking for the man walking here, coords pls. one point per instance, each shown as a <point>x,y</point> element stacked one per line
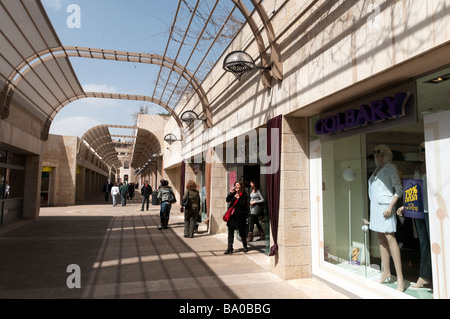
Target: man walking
<point>123,193</point>
<point>146,191</point>
<point>106,190</point>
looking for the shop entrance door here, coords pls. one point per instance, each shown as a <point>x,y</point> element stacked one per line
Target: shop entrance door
<point>45,189</point>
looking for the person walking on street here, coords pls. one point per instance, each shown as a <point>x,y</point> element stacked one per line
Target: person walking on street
<point>192,210</point>
<point>130,191</point>
<point>238,221</point>
<point>114,192</point>
<point>123,193</point>
<point>146,191</point>
<point>256,207</point>
<point>166,198</point>
<point>106,190</point>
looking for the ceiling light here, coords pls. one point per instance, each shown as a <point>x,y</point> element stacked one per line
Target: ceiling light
<point>439,79</point>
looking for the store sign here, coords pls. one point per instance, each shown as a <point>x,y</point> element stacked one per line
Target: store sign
<point>378,110</point>
<point>413,198</point>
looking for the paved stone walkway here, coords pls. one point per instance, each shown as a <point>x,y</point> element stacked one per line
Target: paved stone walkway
<point>121,254</point>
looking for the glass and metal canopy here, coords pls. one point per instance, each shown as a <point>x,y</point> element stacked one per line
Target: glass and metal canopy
<point>36,70</point>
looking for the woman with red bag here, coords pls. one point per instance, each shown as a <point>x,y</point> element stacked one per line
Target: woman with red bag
<point>237,221</point>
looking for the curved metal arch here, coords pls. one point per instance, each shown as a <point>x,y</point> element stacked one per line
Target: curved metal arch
<point>113,96</point>
<point>72,51</point>
<point>98,136</point>
<point>111,158</point>
<point>274,62</point>
<point>84,137</point>
<point>148,150</point>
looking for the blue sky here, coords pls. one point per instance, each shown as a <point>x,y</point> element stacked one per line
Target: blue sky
<point>135,26</point>
<point>116,25</point>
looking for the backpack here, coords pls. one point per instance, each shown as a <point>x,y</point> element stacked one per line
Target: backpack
<point>172,198</point>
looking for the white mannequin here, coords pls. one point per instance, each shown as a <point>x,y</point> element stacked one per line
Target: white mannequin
<point>382,220</point>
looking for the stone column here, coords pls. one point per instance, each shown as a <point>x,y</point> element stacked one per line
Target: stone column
<point>80,184</point>
<point>218,192</point>
<point>294,257</point>
<point>32,190</point>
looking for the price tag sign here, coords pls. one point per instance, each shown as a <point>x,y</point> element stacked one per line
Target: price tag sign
<point>413,198</point>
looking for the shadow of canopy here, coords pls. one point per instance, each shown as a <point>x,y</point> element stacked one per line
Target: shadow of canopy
<point>118,256</point>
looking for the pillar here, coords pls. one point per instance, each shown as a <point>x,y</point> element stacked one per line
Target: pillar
<point>219,192</point>
<point>294,247</point>
<point>31,196</point>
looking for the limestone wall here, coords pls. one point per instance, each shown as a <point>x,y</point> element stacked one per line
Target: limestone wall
<point>60,153</point>
<point>332,52</point>
<point>331,48</point>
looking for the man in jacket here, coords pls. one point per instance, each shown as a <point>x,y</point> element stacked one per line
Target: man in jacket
<point>123,193</point>
<point>166,198</point>
<point>146,191</point>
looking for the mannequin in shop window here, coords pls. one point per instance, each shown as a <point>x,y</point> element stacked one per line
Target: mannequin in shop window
<point>385,189</point>
<point>422,225</point>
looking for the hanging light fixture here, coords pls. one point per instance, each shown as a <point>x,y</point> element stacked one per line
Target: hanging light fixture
<point>170,138</point>
<point>190,117</point>
<point>240,63</point>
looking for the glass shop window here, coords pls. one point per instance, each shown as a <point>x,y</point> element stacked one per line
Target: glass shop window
<point>366,231</point>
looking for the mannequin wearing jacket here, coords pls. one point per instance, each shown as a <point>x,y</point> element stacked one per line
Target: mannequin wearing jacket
<point>385,189</point>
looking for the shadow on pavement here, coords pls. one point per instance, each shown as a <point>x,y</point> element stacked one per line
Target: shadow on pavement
<point>119,257</point>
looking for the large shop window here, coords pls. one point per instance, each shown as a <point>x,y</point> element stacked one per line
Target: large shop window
<point>357,236</point>
<point>360,175</point>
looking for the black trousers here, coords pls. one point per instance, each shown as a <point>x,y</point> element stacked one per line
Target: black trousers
<point>252,221</point>
<point>145,200</point>
<point>242,234</point>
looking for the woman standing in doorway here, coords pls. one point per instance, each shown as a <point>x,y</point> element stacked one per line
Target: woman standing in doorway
<point>256,206</point>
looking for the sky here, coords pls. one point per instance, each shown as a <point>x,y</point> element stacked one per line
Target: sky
<point>133,26</point>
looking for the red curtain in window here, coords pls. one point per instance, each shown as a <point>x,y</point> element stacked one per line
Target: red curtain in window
<point>273,180</point>
<point>182,182</point>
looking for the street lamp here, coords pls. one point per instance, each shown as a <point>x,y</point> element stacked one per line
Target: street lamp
<point>240,63</point>
<point>190,117</point>
<point>170,138</point>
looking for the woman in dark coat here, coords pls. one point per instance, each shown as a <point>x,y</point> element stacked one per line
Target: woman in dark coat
<point>191,212</point>
<point>238,221</point>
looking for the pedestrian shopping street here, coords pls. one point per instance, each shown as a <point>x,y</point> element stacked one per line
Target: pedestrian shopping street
<point>122,254</point>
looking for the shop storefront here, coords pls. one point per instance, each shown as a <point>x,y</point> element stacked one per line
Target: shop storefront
<point>246,167</point>
<point>12,180</point>
<point>46,185</point>
<point>364,238</point>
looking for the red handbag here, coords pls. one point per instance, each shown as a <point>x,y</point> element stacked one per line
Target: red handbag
<point>226,217</point>
<point>228,213</point>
